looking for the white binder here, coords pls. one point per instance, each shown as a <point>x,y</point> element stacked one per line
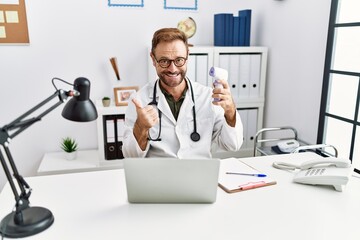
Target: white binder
<point>244,75</point>
<point>254,86</point>
<point>202,71</point>
<point>191,70</point>
<point>234,73</point>
<point>244,118</point>
<point>252,117</point>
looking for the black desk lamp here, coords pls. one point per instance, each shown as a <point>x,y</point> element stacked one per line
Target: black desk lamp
<point>25,220</point>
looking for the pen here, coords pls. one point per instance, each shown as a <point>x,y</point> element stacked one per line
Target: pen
<point>248,174</point>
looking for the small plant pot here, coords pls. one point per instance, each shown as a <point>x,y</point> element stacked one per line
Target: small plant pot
<point>106,102</point>
<point>70,155</point>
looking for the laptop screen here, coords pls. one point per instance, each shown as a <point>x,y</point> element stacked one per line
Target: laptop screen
<point>171,180</point>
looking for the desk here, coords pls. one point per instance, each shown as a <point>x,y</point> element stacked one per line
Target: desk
<point>93,205</point>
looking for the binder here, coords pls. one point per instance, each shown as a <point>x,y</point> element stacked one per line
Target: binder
<point>249,117</point>
<point>251,129</point>
<point>247,17</point>
<point>242,30</point>
<point>244,75</point>
<point>191,70</point>
<point>229,29</point>
<point>224,61</point>
<point>120,129</point>
<point>109,137</point>
<point>244,120</point>
<point>219,29</point>
<point>113,136</point>
<point>234,75</point>
<point>202,69</point>
<point>255,69</point>
<point>232,183</point>
<point>236,31</point>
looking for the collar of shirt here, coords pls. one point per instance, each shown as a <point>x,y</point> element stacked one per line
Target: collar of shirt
<point>174,105</point>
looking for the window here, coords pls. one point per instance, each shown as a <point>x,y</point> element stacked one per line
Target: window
<point>339,114</point>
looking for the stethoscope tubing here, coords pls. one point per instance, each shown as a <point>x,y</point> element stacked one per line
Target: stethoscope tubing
<point>194,136</point>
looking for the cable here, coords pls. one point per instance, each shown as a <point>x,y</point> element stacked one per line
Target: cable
<point>59,79</point>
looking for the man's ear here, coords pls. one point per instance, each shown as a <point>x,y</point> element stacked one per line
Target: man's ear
<point>153,59</point>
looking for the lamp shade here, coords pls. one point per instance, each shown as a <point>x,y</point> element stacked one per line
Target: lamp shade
<point>80,108</point>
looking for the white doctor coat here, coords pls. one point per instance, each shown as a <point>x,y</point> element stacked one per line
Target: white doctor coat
<point>175,135</point>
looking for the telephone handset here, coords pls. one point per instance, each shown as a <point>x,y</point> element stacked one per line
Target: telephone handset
<point>337,162</point>
<point>322,171</point>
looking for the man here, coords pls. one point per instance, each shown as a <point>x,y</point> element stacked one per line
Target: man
<point>174,117</point>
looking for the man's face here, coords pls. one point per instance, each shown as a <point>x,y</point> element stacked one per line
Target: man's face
<point>172,75</point>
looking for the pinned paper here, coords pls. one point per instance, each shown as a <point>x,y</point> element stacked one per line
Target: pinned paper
<point>2,32</point>
<point>2,18</point>
<point>12,16</point>
<point>13,2</point>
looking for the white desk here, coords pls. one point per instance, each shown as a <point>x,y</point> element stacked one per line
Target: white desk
<point>93,205</point>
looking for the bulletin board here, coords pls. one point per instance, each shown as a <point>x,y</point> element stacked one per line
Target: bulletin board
<point>13,22</point>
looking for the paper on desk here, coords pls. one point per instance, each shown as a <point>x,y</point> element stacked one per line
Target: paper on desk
<point>235,183</point>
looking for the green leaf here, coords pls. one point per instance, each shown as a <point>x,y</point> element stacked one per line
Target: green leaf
<point>69,145</point>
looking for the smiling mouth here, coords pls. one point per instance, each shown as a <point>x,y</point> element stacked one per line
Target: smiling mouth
<point>172,75</point>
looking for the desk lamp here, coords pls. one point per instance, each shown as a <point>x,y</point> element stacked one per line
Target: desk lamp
<point>25,220</point>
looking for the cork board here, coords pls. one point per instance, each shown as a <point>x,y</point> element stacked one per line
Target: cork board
<point>13,22</point>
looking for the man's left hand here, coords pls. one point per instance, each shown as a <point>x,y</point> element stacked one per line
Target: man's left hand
<point>226,102</point>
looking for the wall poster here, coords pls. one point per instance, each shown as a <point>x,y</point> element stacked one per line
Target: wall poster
<point>181,4</point>
<point>125,3</point>
<point>13,22</point>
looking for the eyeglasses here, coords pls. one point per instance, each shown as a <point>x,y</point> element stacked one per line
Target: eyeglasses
<point>165,63</point>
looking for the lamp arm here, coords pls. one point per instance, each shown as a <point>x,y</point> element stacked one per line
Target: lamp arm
<point>20,124</point>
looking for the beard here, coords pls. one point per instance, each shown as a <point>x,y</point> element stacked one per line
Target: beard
<point>172,79</point>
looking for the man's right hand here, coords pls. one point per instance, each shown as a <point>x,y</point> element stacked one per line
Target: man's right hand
<point>147,117</point>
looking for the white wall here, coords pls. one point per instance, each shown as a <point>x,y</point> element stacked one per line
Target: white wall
<point>69,39</point>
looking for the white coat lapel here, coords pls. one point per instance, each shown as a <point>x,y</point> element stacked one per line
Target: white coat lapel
<point>163,106</point>
<point>186,107</point>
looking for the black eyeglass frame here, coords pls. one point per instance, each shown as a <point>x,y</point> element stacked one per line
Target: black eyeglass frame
<point>169,61</point>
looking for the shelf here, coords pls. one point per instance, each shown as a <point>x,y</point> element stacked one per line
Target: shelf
<point>87,160</point>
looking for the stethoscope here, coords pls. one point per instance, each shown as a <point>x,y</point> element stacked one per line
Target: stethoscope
<point>195,136</point>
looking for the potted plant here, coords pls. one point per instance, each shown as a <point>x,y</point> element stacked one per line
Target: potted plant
<point>70,147</point>
<point>106,101</point>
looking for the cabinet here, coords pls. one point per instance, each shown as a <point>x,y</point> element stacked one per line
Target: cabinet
<point>247,80</point>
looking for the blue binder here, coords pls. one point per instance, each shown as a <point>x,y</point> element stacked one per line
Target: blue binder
<point>229,31</point>
<point>236,27</point>
<point>219,29</point>
<point>246,15</point>
<point>223,29</point>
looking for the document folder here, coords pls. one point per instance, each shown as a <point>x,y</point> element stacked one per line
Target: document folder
<point>240,179</point>
<point>113,126</point>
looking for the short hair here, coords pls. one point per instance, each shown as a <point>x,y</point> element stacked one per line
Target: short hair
<point>168,35</point>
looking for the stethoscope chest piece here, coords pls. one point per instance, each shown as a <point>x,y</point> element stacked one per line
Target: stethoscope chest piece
<point>195,136</point>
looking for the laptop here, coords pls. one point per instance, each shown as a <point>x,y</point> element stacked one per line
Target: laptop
<point>171,180</point>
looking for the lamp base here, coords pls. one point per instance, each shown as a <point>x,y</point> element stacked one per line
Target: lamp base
<point>35,220</point>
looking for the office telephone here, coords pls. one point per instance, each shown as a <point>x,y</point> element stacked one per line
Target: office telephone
<point>288,146</point>
<point>322,171</point>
